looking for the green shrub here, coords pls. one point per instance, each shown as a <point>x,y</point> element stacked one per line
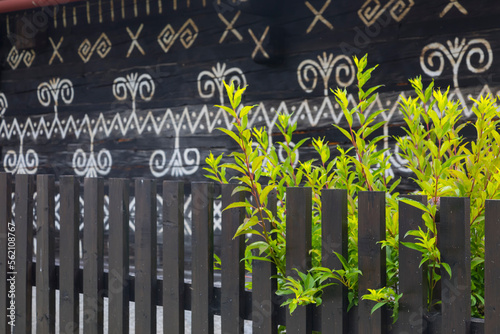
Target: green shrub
<point>443,164</point>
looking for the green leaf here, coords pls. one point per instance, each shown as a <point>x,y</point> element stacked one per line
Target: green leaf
<point>237,97</point>
<point>245,110</point>
<point>446,266</point>
<point>239,189</point>
<point>416,204</point>
<point>246,226</point>
<point>230,134</point>
<point>344,131</point>
<point>412,246</point>
<point>260,245</point>
<point>230,91</point>
<point>263,195</point>
<point>377,306</point>
<point>238,205</point>
<point>228,110</point>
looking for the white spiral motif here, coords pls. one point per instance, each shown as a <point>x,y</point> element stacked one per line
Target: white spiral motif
<point>194,161</point>
<point>432,58</point>
<point>104,162</point>
<point>103,45</point>
<point>120,88</point>
<point>3,104</point>
<point>401,8</point>
<point>178,166</point>
<point>51,90</point>
<point>146,87</point>
<point>433,62</point>
<point>19,163</point>
<point>482,48</point>
<point>90,166</point>
<point>85,50</point>
<point>29,57</point>
<point>66,90</point>
<point>371,10</point>
<point>44,94</point>
<point>210,82</point>
<point>158,163</point>
<point>133,84</point>
<point>310,70</point>
<point>307,73</point>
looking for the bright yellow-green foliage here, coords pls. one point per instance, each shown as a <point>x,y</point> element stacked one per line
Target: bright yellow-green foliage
<point>442,161</point>
<point>447,164</point>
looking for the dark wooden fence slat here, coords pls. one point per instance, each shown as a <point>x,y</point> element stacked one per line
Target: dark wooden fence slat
<point>233,270</point>
<point>69,257</point>
<point>202,257</point>
<point>455,251</point>
<point>298,245</point>
<point>334,239</point>
<point>412,277</point>
<point>371,258</point>
<point>24,252</point>
<point>264,306</point>
<point>93,245</point>
<point>145,256</point>
<point>45,265</point>
<point>5,227</point>
<point>118,290</point>
<point>492,267</point>
<point>173,257</point>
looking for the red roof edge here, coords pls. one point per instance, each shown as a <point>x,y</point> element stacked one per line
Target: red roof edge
<point>16,5</point>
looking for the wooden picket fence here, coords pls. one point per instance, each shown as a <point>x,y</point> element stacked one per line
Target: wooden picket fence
<point>231,301</point>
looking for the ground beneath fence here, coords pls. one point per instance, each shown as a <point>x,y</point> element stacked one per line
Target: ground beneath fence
<point>159,317</point>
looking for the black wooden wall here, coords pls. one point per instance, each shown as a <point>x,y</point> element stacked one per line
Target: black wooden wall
<point>126,88</point>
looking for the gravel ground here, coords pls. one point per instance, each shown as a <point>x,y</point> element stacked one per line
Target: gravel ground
<point>159,317</point>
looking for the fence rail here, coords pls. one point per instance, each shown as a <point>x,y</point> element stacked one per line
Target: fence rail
<point>231,301</point>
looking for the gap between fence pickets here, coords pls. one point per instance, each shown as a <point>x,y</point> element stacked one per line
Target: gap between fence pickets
<point>454,290</point>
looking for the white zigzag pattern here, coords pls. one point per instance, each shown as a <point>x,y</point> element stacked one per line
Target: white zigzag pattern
<point>205,120</point>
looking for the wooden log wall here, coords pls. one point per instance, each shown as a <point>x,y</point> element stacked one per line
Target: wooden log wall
<point>127,88</point>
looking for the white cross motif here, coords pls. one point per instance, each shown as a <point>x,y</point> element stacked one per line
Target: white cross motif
<point>318,15</point>
<point>453,3</point>
<point>258,43</point>
<point>230,27</point>
<point>56,50</point>
<point>135,43</point>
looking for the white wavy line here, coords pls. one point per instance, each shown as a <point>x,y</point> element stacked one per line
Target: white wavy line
<point>205,119</point>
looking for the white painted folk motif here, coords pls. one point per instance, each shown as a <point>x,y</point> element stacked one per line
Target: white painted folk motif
<point>135,44</point>
<point>49,92</point>
<point>187,34</point>
<point>230,27</point>
<point>371,10</point>
<point>20,162</point>
<point>55,52</point>
<point>14,58</point>
<point>258,43</point>
<point>3,104</point>
<point>180,162</point>
<point>211,82</point>
<point>91,164</point>
<point>102,46</point>
<point>309,71</point>
<point>318,16</point>
<point>452,4</point>
<point>432,57</point>
<point>136,85</point>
